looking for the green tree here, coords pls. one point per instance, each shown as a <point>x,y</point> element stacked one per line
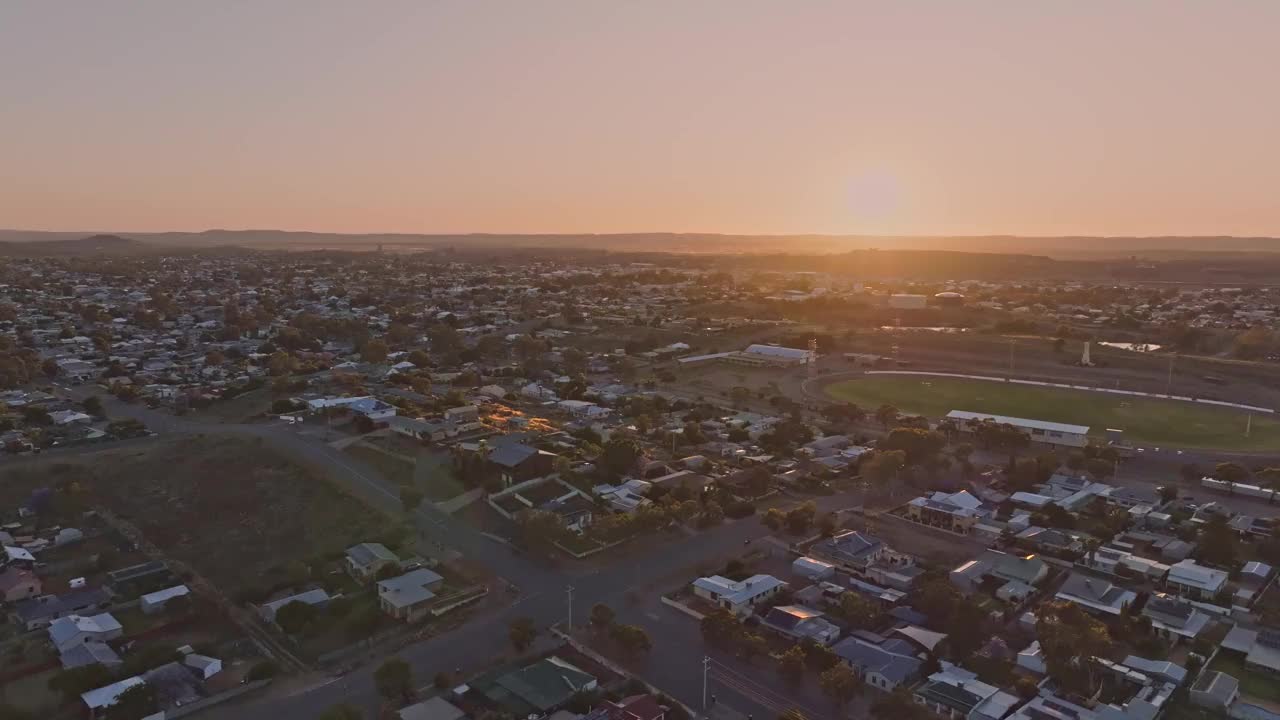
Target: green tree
<point>886,414</point>
<point>774,519</point>
<point>883,466</point>
<point>1067,632</point>
<point>522,632</point>
<point>601,617</point>
<point>619,456</point>
<point>394,680</point>
<point>791,665</point>
<point>840,684</point>
<point>1231,473</point>
<point>374,351</point>
<point>93,406</point>
<point>799,519</point>
<point>135,703</point>
<point>294,617</point>
<point>1218,543</point>
<point>631,638</point>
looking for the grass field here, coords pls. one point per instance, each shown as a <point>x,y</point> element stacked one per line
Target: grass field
<point>1145,422</point>
<point>237,512</point>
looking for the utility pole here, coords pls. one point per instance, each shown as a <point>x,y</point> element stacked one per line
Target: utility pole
<point>569,591</point>
<point>706,665</point>
<point>1248,428</point>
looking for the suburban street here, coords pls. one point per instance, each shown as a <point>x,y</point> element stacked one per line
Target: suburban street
<point>632,582</point>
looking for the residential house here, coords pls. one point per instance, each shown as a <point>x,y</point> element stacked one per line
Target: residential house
<point>1174,618</point>
<point>1095,594</point>
<point>82,640</point>
<point>738,597</point>
<point>516,463</point>
<point>1215,690</point>
<point>851,550</point>
<point>409,596</point>
<point>957,693</point>
<point>436,708</point>
<point>366,560</point>
<point>799,622</point>
<point>317,597</point>
<point>18,584</point>
<point>154,603</point>
<point>537,689</point>
<point>1195,581</point>
<point>37,612</point>
<point>883,663</point>
<point>954,512</point>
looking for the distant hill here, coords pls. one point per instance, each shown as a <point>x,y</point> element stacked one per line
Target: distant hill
<point>61,247</point>
<point>1082,247</point>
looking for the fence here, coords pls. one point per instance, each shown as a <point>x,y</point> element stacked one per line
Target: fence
<point>197,706</point>
<point>1067,386</point>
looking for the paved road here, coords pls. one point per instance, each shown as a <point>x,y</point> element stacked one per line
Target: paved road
<point>631,582</point>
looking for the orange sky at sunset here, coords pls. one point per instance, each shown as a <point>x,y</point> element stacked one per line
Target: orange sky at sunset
<point>736,116</point>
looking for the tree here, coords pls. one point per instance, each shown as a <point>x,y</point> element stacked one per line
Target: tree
<point>394,680</point>
<point>294,617</point>
<point>840,684</point>
<point>93,406</point>
<point>601,617</point>
<point>883,466</point>
<point>1099,468</point>
<point>720,628</point>
<point>619,456</point>
<point>898,705</point>
<point>752,645</point>
<point>791,665</point>
<point>374,351</point>
<point>342,711</point>
<point>631,638</point>
<point>774,518</point>
<point>1231,473</point>
<point>135,703</point>
<point>522,632</point>
<point>800,518</point>
<point>1069,637</point>
<point>410,497</point>
<point>1218,543</point>
<point>918,445</point>
<point>886,414</point>
<point>858,611</point>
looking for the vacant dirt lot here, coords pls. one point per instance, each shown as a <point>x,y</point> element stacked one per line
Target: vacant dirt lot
<point>237,512</point>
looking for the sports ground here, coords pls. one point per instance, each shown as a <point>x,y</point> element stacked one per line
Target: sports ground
<point>1145,422</point>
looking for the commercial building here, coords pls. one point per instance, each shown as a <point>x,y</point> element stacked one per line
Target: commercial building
<point>1041,431</point>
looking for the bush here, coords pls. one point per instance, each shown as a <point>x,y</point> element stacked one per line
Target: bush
<point>262,670</point>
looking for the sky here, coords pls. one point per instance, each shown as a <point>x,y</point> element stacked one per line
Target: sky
<point>944,117</point>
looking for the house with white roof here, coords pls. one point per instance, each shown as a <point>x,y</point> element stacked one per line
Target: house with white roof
<point>1189,579</point>
<point>738,597</point>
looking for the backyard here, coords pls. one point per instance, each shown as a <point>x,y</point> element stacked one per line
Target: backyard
<point>1253,684</point>
<point>1144,421</point>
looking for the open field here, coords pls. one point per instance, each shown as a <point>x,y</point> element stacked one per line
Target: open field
<point>240,514</point>
<point>1145,422</point>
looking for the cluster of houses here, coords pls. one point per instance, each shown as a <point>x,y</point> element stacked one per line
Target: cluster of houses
<point>550,687</point>
<point>79,617</point>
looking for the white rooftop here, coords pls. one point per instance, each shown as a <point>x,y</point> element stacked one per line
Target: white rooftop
<point>1021,422</point>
